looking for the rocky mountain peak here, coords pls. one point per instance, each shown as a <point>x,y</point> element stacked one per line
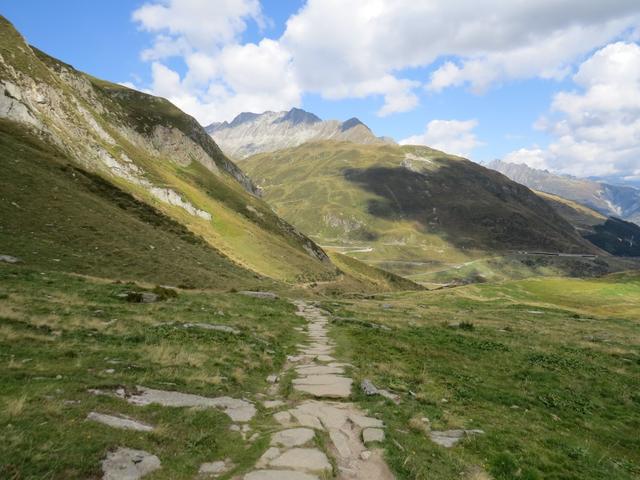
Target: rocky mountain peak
<point>351,123</point>
<point>297,116</point>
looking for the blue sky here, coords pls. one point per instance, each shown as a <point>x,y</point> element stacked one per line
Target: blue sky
<point>485,79</point>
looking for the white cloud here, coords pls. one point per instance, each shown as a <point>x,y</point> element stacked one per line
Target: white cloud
<point>361,48</point>
<point>201,24</point>
<point>534,157</point>
<point>450,136</point>
<point>597,129</point>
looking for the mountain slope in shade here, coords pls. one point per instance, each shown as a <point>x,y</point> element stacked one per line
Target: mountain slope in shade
<point>407,208</point>
<point>95,142</point>
<point>252,133</point>
<point>610,200</point>
<point>612,235</point>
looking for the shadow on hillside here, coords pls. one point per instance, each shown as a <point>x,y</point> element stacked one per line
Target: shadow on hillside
<point>468,205</point>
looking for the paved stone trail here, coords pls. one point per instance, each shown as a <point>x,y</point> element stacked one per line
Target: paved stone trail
<point>293,454</point>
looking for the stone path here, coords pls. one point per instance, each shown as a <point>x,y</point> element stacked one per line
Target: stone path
<point>353,436</point>
<point>352,449</point>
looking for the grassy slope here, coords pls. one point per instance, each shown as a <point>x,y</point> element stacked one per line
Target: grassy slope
<point>58,217</point>
<point>243,227</point>
<point>583,218</point>
<point>62,334</point>
<point>548,368</point>
<point>451,212</point>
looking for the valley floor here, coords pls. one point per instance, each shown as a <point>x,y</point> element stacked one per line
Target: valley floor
<point>536,378</point>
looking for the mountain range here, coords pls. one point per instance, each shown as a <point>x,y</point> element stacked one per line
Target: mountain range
<point>251,133</point>
<point>104,180</point>
<point>611,200</point>
<point>412,210</point>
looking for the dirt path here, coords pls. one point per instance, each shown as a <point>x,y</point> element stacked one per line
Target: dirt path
<point>350,451</point>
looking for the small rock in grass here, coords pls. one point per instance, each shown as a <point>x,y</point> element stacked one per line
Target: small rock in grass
<point>449,438</point>
<point>273,378</point>
<point>213,468</point>
<point>266,295</point>
<point>128,464</point>
<point>119,422</point>
<point>9,259</point>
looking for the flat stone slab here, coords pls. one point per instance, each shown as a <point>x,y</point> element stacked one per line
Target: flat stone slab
<point>119,422</point>
<point>213,326</point>
<point>365,422</point>
<point>128,464</point>
<point>326,391</point>
<point>267,295</point>
<point>279,475</point>
<point>270,454</point>
<point>341,442</point>
<point>272,403</point>
<point>310,459</point>
<point>306,419</point>
<point>293,437</point>
<point>449,438</point>
<point>304,370</point>
<point>213,468</point>
<point>237,410</point>
<point>370,435</point>
<point>331,386</point>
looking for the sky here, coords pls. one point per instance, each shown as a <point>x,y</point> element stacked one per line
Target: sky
<point>554,84</point>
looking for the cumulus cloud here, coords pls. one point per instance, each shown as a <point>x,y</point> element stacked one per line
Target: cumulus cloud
<point>361,48</point>
<point>199,24</point>
<point>533,157</point>
<point>596,129</point>
<point>451,136</point>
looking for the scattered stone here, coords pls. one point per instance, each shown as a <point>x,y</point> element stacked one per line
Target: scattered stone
<point>234,428</point>
<point>310,459</point>
<point>213,468</point>
<point>9,259</point>
<point>119,422</point>
<point>279,475</point>
<point>270,454</point>
<point>293,437</point>
<point>370,435</point>
<point>128,464</point>
<point>267,295</point>
<point>370,389</point>
<point>365,455</point>
<point>449,438</point>
<point>237,410</point>
<point>273,378</point>
<point>212,326</point>
<point>283,418</point>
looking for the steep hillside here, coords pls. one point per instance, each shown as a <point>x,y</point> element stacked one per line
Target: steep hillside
<point>581,217</point>
<point>617,237</point>
<point>408,209</point>
<point>87,161</point>
<point>252,133</point>
<point>610,200</point>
